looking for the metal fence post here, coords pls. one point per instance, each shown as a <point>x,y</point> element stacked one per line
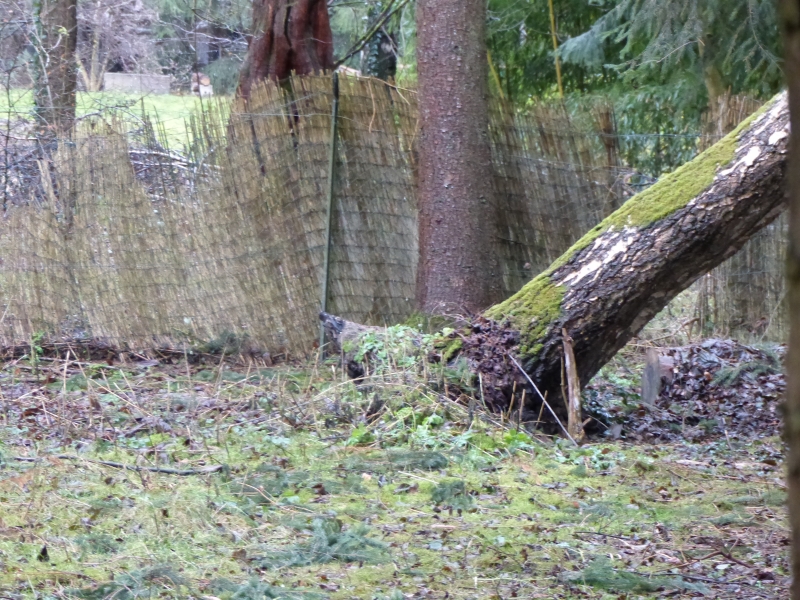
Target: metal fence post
<point>326,263</point>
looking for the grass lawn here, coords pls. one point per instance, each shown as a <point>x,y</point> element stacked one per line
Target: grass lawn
<point>170,110</point>
<point>175,481</point>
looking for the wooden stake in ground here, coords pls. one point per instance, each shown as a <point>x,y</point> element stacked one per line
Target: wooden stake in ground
<point>651,378</point>
<point>574,415</point>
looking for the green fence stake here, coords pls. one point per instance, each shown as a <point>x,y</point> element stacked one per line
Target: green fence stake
<point>326,263</point>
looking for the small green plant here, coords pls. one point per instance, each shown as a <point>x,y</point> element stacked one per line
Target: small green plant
<point>396,347</point>
<point>452,493</point>
<point>515,441</point>
<point>361,436</point>
<point>37,340</point>
<point>728,376</point>
<point>330,542</point>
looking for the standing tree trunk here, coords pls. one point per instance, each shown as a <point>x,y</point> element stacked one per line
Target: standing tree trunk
<point>289,36</point>
<point>791,22</point>
<point>458,266</point>
<point>55,41</point>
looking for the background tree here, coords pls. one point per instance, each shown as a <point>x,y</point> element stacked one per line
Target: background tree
<point>655,61</point>
<point>518,37</point>
<point>203,35</point>
<point>55,40</point>
<point>724,45</point>
<point>457,267</point>
<point>287,36</point>
<point>791,26</point>
<point>114,35</point>
<point>675,59</point>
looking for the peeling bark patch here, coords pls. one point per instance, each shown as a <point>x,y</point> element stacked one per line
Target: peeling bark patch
<point>777,137</point>
<point>620,246</point>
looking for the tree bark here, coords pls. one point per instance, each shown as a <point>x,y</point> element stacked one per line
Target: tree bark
<point>55,42</point>
<point>624,271</point>
<point>790,10</point>
<point>458,266</point>
<point>288,36</point>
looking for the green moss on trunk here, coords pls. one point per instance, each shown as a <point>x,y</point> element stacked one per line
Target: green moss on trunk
<point>536,306</point>
<point>531,311</point>
<point>672,192</point>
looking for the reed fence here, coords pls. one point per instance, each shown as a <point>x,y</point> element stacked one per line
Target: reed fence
<point>222,246</point>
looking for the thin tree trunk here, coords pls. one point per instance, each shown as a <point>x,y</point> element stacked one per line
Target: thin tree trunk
<point>457,225</point>
<point>289,36</point>
<point>628,268</point>
<point>791,21</point>
<point>55,42</point>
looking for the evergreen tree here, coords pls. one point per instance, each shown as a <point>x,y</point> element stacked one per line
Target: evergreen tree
<point>727,45</point>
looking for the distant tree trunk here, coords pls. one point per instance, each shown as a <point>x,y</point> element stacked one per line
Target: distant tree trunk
<point>791,21</point>
<point>458,266</point>
<point>288,36</point>
<point>627,269</point>
<point>380,58</point>
<point>55,42</point>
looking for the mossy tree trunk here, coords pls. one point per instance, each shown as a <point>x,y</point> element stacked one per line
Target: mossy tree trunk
<point>791,21</point>
<point>624,271</point>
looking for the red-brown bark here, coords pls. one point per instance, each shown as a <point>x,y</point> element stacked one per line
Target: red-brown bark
<point>457,224</point>
<point>288,36</point>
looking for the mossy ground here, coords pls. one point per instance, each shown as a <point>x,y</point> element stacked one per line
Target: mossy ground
<point>323,495</point>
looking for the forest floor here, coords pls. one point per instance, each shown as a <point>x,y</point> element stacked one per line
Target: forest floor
<point>161,480</point>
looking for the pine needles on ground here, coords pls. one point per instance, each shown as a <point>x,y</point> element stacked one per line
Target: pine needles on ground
<point>452,494</point>
<point>600,574</point>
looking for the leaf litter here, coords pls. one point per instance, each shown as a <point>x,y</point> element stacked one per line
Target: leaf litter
<point>321,495</point>
<point>711,389</point>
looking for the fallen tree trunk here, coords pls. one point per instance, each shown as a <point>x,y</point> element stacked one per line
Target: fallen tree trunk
<point>615,279</point>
